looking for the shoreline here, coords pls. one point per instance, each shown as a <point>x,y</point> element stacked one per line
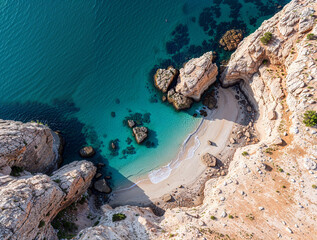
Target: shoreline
<point>187,169</point>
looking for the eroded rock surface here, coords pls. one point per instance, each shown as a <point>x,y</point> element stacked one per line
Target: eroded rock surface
<point>31,146</point>
<point>164,77</point>
<point>178,100</point>
<point>140,134</point>
<point>231,39</point>
<point>29,203</point>
<point>196,76</point>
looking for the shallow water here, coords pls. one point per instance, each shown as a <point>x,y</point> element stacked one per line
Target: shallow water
<point>83,66</point>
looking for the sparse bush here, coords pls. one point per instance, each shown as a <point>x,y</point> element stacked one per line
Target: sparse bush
<point>310,118</point>
<point>314,186</point>
<point>213,218</point>
<point>118,217</point>
<point>266,38</point>
<point>16,171</point>
<point>230,216</point>
<point>310,36</point>
<point>245,153</point>
<point>41,224</point>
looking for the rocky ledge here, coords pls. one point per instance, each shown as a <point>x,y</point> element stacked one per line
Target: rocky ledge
<point>30,202</point>
<point>31,146</point>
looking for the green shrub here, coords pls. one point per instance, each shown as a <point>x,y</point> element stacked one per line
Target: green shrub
<point>314,186</point>
<point>118,217</point>
<point>310,118</point>
<point>41,224</point>
<point>245,153</point>
<point>213,218</point>
<point>16,171</point>
<point>310,36</point>
<point>266,38</point>
<point>230,216</point>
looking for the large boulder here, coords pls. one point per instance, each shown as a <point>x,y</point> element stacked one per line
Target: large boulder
<point>231,39</point>
<point>210,100</point>
<point>31,146</point>
<point>87,152</point>
<point>164,77</point>
<point>196,76</point>
<point>140,134</point>
<point>29,203</point>
<point>209,160</point>
<point>178,100</point>
<point>102,186</point>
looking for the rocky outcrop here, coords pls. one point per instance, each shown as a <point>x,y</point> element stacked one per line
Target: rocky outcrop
<point>209,160</point>
<point>102,186</point>
<point>164,77</point>
<point>140,134</point>
<point>196,76</point>
<point>269,191</point>
<point>29,203</point>
<point>231,39</point>
<point>31,146</point>
<point>87,152</point>
<point>178,100</point>
<point>140,223</point>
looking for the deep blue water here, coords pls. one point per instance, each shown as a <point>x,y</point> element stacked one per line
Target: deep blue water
<point>83,66</point>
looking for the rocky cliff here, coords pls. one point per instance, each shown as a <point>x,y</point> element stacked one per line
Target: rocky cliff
<point>28,203</point>
<point>31,146</point>
<point>270,189</point>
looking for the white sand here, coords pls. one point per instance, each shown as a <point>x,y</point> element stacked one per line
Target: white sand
<point>216,127</point>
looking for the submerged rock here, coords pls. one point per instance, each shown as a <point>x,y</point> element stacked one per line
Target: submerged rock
<point>102,186</point>
<point>210,100</point>
<point>164,77</point>
<point>87,152</point>
<point>131,123</point>
<point>209,160</point>
<point>196,76</point>
<point>231,39</point>
<point>140,134</point>
<point>178,100</point>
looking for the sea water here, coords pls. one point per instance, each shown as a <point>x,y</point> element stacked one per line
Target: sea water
<point>83,67</point>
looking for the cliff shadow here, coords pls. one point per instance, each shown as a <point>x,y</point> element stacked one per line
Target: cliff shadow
<point>59,117</point>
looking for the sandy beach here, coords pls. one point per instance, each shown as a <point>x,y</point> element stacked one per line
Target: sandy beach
<point>188,168</point>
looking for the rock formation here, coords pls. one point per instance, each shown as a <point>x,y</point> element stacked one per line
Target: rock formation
<point>164,77</point>
<point>31,146</point>
<point>209,160</point>
<point>196,76</point>
<point>28,203</point>
<point>140,223</point>
<point>102,186</point>
<point>140,134</point>
<point>87,152</point>
<point>178,100</point>
<point>269,190</point>
<point>231,39</point>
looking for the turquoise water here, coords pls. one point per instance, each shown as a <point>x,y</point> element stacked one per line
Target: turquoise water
<point>83,66</point>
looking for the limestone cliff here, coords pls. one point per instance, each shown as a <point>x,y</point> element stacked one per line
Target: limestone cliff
<point>28,203</point>
<point>269,191</point>
<point>31,146</point>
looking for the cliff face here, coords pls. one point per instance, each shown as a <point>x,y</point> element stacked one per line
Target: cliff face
<point>269,191</point>
<point>29,203</point>
<point>32,146</point>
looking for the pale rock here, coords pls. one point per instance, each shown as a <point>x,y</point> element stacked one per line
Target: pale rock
<point>196,76</point>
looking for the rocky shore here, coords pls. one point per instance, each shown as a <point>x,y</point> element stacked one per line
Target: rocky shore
<point>261,185</point>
